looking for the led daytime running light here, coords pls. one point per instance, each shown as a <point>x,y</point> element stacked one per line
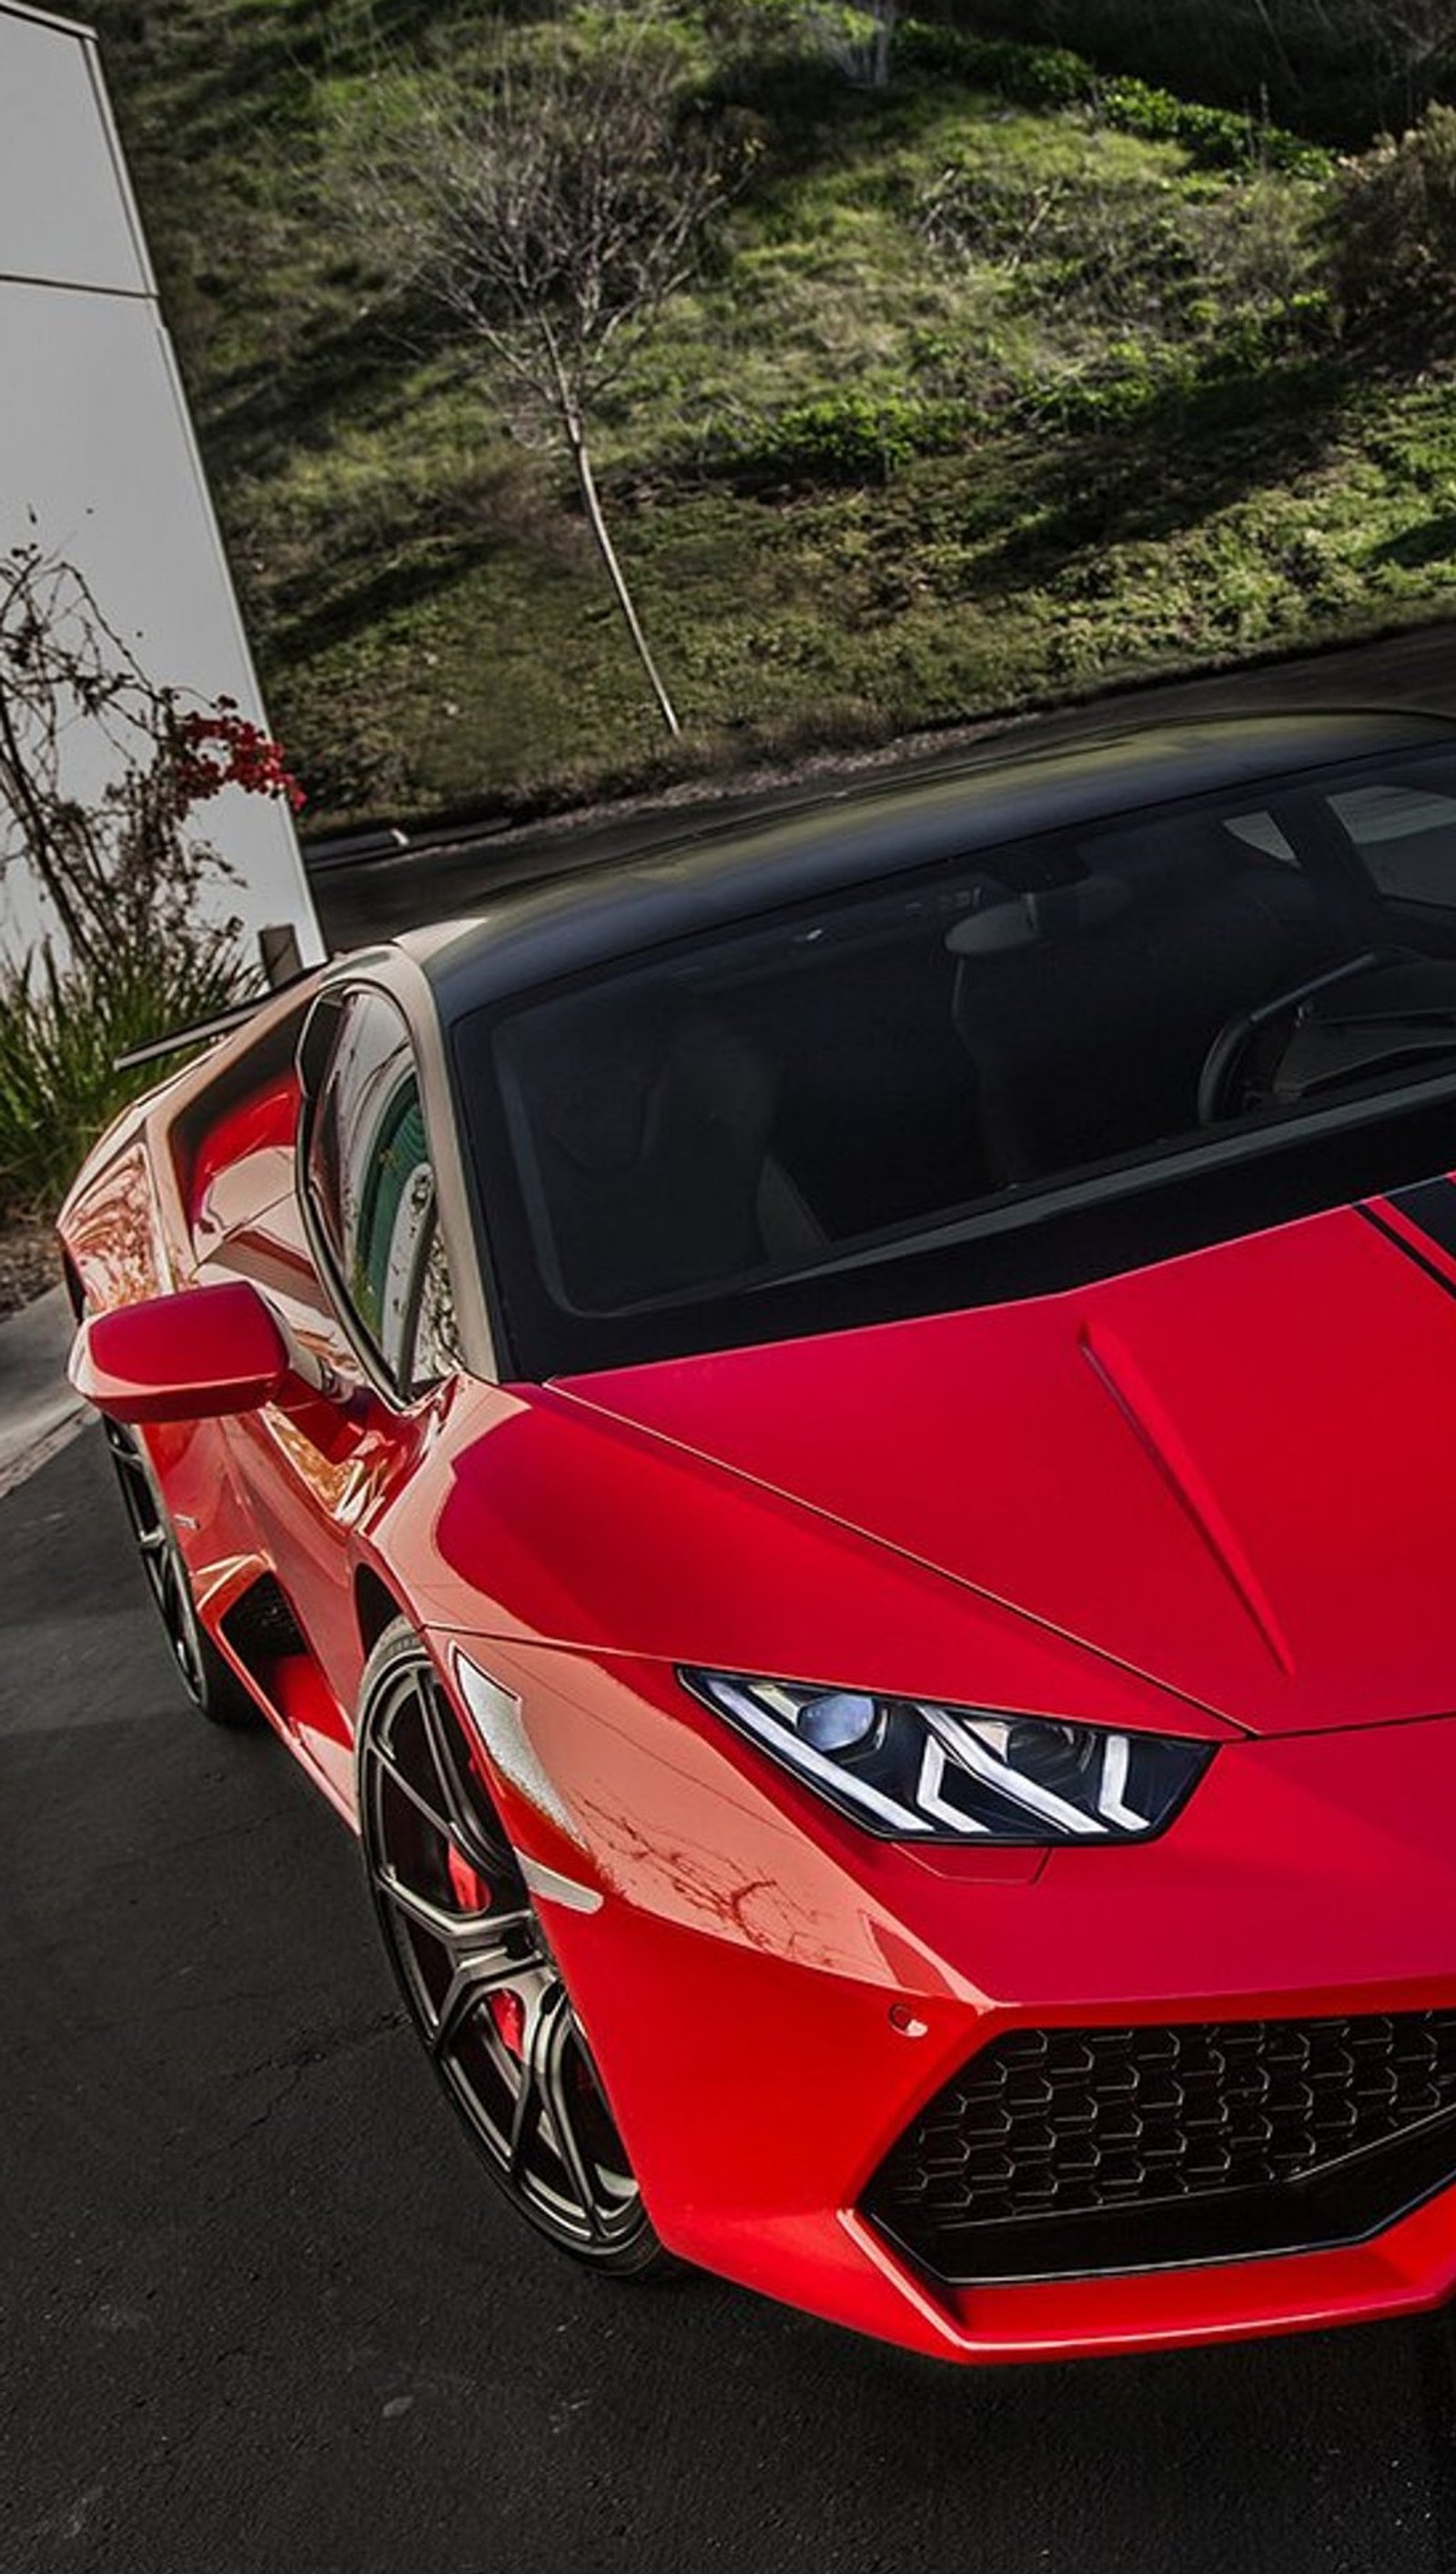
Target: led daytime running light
<point>913,1770</point>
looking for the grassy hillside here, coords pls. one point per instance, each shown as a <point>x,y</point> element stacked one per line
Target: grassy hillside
<point>1001,385</point>
<point>1340,68</point>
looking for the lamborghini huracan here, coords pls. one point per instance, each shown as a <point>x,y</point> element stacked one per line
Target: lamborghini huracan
<point>838,1446</point>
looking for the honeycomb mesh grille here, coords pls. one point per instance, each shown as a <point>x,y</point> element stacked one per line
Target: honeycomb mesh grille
<point>1061,2149</point>
<point>261,1627</point>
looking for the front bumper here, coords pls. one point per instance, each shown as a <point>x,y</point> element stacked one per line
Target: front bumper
<point>773,1999</point>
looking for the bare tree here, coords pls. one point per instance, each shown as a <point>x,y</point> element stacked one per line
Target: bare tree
<point>546,211</point>
<point>861,39</point>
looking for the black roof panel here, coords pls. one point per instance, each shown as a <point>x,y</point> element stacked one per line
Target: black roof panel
<point>722,872</point>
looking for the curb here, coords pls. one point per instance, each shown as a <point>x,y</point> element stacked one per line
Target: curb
<point>39,1411</point>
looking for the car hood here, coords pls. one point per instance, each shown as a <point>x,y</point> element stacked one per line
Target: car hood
<point>1234,1474</point>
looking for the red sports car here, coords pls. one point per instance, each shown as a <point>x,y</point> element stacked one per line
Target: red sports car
<point>839,1446</point>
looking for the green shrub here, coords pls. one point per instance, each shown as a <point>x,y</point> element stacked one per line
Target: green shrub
<point>1393,240</point>
<point>1335,68</point>
<point>1113,392</point>
<point>1215,135</point>
<point>1048,76</point>
<point>1033,74</point>
<point>844,437</point>
<point>61,1029</point>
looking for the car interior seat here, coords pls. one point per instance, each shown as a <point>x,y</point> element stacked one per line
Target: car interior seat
<point>650,1132</point>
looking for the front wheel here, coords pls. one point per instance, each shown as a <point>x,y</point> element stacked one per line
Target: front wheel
<point>476,1970</point>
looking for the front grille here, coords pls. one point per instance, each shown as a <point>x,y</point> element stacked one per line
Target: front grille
<point>1093,2150</point>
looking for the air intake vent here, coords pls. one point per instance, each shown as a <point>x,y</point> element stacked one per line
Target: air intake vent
<point>261,1627</point>
<point>1093,2150</point>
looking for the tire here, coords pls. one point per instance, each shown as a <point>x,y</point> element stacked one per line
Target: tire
<point>214,1690</point>
<point>475,1967</point>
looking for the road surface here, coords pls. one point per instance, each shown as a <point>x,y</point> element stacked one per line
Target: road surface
<point>260,2314</point>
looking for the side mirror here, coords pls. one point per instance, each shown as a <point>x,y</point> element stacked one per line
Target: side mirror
<point>191,1357</point>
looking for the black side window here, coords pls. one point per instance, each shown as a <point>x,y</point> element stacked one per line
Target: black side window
<point>373,1194</point>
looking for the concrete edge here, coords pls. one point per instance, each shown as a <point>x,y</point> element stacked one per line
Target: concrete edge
<point>39,1409</point>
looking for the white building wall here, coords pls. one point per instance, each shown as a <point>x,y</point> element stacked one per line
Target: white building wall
<point>98,462</point>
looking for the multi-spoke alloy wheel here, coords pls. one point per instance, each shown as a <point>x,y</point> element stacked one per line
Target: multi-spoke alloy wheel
<point>205,1675</point>
<point>476,1970</point>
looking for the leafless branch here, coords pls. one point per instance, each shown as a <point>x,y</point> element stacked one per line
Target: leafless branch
<point>103,833</point>
<point>548,211</point>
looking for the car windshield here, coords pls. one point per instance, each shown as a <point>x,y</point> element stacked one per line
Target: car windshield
<point>1022,1067</point>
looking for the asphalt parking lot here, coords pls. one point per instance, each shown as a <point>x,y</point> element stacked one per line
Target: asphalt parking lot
<point>260,2314</point>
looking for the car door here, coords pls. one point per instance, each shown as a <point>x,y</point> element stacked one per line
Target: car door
<point>370,1303</point>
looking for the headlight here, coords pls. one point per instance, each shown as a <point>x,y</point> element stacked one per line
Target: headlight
<point>909,1768</point>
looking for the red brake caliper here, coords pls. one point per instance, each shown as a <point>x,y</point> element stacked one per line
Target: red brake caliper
<point>509,2014</point>
<point>471,1890</point>
<point>472,1895</point>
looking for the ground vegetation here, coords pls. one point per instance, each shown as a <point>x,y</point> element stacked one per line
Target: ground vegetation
<point>1039,366</point>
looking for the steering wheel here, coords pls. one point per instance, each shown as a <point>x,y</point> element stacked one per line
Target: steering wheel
<point>1218,1096</point>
